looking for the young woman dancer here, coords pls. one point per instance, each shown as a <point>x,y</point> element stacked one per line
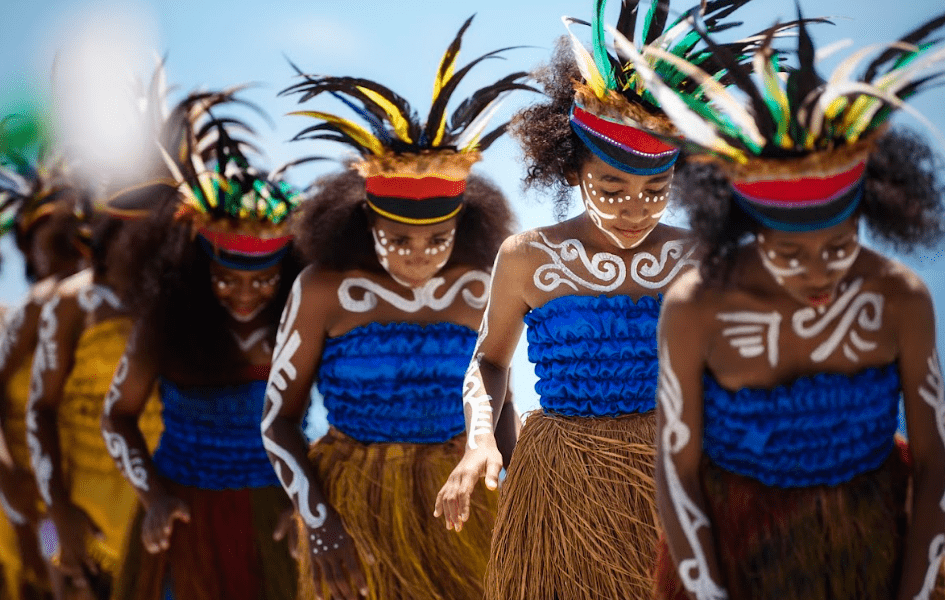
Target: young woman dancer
<point>577,516</point>
<point>783,359</point>
<point>385,324</point>
<point>214,267</point>
<point>39,204</point>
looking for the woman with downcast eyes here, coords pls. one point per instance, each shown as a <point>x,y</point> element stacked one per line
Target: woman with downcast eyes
<point>783,358</point>
<point>214,263</point>
<point>385,322</point>
<point>577,516</point>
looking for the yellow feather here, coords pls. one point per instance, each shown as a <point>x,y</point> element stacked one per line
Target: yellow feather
<point>586,64</point>
<point>439,82</point>
<point>358,133</point>
<point>397,120</point>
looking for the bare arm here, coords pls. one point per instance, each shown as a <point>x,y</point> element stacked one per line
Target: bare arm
<point>134,379</point>
<point>923,390</point>
<point>485,387</point>
<point>299,342</point>
<point>679,496</point>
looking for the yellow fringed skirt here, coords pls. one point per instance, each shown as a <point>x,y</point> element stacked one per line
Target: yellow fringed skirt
<point>577,513</point>
<point>24,569</point>
<point>385,493</point>
<point>95,483</point>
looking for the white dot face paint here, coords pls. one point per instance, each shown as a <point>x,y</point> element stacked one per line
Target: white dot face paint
<point>625,214</point>
<point>412,254</point>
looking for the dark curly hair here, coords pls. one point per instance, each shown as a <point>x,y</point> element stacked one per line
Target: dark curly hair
<point>552,149</point>
<point>62,229</point>
<point>902,203</point>
<point>171,297</point>
<point>334,227</point>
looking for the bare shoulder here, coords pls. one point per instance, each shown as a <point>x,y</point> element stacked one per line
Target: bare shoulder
<point>902,287</point>
<point>70,287</point>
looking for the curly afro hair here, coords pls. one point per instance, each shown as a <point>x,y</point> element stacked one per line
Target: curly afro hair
<point>168,291</point>
<point>333,230</point>
<point>901,205</point>
<point>552,150</point>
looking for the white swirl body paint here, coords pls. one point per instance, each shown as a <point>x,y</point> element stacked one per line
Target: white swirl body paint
<point>283,371</point>
<point>249,342</point>
<point>95,295</point>
<point>933,394</point>
<point>936,554</point>
<point>645,267</point>
<point>753,333</point>
<point>44,360</point>
<point>11,331</point>
<point>474,393</point>
<point>851,308</point>
<point>607,268</point>
<point>14,516</point>
<point>129,461</point>
<point>423,297</point>
<point>694,572</point>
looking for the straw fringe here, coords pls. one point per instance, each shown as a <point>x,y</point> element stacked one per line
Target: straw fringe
<point>385,495</point>
<point>836,543</point>
<point>577,516</point>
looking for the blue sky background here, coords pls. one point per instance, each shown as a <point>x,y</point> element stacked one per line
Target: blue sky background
<point>212,43</point>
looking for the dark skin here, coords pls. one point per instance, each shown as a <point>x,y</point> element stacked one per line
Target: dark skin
<point>241,293</point>
<point>16,481</point>
<point>322,316</point>
<point>691,337</point>
<point>66,321</point>
<point>633,222</point>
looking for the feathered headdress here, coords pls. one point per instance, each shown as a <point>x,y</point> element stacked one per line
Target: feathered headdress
<point>797,154</point>
<point>415,171</point>
<point>34,179</point>
<point>238,213</point>
<point>618,112</point>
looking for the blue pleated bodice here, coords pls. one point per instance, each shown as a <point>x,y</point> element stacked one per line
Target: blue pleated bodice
<point>397,382</point>
<point>211,437</point>
<point>819,430</point>
<point>595,356</point>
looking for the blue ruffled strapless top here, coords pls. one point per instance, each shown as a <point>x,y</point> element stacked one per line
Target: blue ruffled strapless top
<point>595,356</point>
<point>397,382</point>
<point>211,437</point>
<point>819,430</point>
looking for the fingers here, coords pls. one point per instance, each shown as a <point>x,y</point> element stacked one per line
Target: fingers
<point>181,512</point>
<point>493,468</point>
<point>337,580</point>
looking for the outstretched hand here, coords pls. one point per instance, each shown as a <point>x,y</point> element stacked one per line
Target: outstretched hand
<point>452,502</point>
<point>158,524</point>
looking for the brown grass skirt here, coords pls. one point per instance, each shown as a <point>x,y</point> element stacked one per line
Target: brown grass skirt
<point>819,543</point>
<point>385,495</point>
<point>226,552</point>
<point>577,517</point>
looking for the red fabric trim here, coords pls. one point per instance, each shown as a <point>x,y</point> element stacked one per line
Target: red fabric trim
<point>415,188</point>
<point>241,243</point>
<point>802,189</point>
<point>629,136</point>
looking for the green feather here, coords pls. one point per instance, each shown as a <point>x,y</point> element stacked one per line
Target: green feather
<point>601,58</point>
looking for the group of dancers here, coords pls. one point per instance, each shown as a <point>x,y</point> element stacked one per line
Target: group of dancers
<point>719,405</point>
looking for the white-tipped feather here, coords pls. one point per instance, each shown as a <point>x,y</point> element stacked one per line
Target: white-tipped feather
<point>831,49</point>
<point>473,131</point>
<point>686,120</point>
<point>715,91</point>
<point>585,61</point>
